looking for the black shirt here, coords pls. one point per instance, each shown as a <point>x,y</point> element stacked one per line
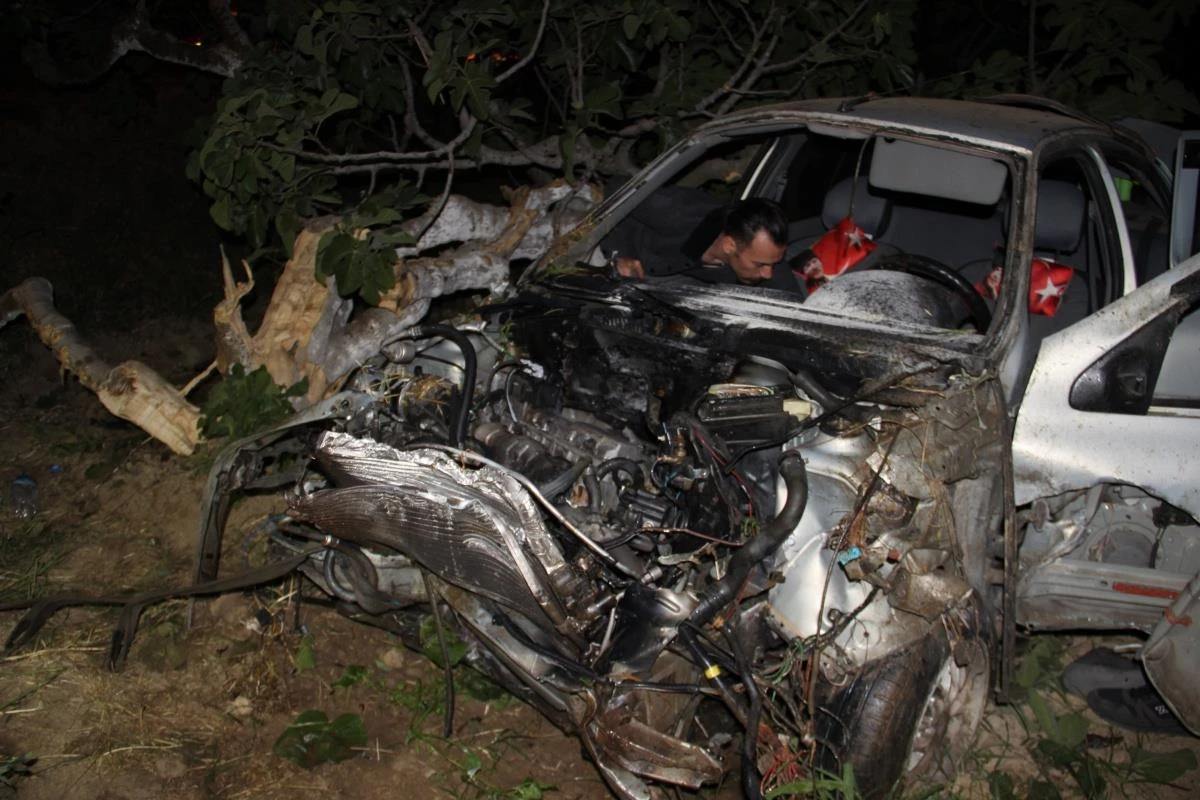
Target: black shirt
<point>669,232</point>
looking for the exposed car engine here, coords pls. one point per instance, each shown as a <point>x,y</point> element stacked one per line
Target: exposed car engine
<point>633,528</point>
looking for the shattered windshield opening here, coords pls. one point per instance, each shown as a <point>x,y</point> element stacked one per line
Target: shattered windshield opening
<point>871,228</point>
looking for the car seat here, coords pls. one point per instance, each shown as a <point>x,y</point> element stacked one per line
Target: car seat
<point>1058,236</point>
<point>871,211</point>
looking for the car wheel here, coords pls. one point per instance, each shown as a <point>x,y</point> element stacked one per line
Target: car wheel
<point>909,716</point>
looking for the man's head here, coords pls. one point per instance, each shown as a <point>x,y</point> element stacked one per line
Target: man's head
<point>753,239</point>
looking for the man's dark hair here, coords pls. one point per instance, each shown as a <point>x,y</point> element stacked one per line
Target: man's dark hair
<point>747,217</point>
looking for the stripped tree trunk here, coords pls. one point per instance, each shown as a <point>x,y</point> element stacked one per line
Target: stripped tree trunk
<point>131,390</point>
<point>306,332</point>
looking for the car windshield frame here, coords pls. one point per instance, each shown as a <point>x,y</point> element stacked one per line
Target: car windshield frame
<point>578,253</point>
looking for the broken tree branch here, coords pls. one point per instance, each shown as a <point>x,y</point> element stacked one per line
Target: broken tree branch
<point>131,390</point>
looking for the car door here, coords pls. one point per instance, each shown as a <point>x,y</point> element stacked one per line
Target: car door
<point>1095,410</point>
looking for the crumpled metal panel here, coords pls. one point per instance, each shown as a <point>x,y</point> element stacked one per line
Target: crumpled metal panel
<point>1172,653</point>
<point>645,751</point>
<point>474,528</point>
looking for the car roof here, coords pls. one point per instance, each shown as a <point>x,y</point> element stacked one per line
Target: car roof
<point>1013,122</point>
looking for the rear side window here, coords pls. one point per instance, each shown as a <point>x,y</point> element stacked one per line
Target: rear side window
<point>1144,207</point>
<point>819,163</point>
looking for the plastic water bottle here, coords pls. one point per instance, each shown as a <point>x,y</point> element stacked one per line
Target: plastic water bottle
<point>24,497</point>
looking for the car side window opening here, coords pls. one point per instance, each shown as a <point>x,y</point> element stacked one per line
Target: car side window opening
<point>1145,210</point>
<point>1071,193</point>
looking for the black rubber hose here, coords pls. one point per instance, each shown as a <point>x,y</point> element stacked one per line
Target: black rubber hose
<point>565,479</point>
<point>768,540</point>
<point>751,783</point>
<point>712,672</point>
<point>364,579</point>
<point>459,338</point>
<point>806,383</point>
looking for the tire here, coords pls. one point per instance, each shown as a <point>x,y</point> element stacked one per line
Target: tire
<point>908,717</point>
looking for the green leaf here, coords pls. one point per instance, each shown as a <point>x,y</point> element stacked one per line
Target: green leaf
<point>630,25</point>
<point>221,213</point>
<point>288,225</point>
<point>1091,781</point>
<point>304,40</point>
<point>472,764</point>
<point>1000,786</point>
<point>257,227</point>
<point>312,739</point>
<point>1161,767</point>
<point>678,28</point>
<point>477,685</point>
<point>1057,754</point>
<point>1072,730</point>
<point>352,675</point>
<point>605,99</point>
<point>1043,714</point>
<point>528,789</point>
<point>335,249</point>
<point>350,729</point>
<point>219,167</point>
<point>382,216</point>
<point>335,102</point>
<point>285,165</point>
<point>455,647</point>
<point>306,657</point>
<point>1042,790</point>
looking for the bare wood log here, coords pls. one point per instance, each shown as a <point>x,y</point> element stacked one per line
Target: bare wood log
<point>233,339</point>
<point>480,265</point>
<point>131,390</point>
<point>463,220</point>
<point>307,332</point>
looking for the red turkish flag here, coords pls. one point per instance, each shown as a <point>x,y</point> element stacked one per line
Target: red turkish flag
<point>1047,285</point>
<point>989,286</point>
<point>842,246</point>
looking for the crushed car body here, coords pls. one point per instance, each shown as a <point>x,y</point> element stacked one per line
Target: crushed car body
<point>710,526</point>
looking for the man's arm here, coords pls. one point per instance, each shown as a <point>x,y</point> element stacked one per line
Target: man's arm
<point>650,239</point>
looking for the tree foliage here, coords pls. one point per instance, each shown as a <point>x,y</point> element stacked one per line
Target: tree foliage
<point>1105,57</point>
<point>367,109</point>
<point>349,107</point>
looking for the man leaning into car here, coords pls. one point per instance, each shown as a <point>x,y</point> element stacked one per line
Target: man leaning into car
<point>738,243</point>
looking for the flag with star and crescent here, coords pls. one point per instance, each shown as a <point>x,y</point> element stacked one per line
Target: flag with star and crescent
<point>842,246</point>
<point>1048,282</point>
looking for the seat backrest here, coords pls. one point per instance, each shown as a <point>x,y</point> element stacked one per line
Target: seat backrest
<point>1059,234</point>
<point>1058,229</point>
<point>854,197</point>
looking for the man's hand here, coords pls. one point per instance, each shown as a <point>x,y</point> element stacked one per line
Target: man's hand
<point>630,267</point>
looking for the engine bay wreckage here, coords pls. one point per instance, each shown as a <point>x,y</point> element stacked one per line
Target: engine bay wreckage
<point>714,528</point>
<point>657,527</point>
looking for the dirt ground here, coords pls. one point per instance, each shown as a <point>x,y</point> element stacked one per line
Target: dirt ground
<point>196,711</point>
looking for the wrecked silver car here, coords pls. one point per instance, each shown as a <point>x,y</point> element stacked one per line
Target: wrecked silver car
<point>715,527</point>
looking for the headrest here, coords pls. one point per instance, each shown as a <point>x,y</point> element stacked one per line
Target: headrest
<point>1060,214</point>
<point>870,211</point>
